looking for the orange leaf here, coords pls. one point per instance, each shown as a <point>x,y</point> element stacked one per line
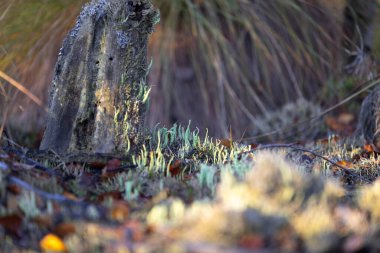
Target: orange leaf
<point>175,168</point>
<point>51,242</point>
<point>346,164</point>
<point>368,148</point>
<point>119,212</point>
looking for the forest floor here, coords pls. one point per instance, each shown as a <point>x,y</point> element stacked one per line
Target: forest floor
<point>186,193</point>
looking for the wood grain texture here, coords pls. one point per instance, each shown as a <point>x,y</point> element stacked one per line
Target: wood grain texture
<point>97,94</point>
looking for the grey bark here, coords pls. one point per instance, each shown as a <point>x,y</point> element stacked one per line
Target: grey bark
<point>369,119</point>
<point>359,30</point>
<point>98,95</point>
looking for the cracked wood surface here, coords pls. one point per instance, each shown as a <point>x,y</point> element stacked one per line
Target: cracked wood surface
<point>97,100</point>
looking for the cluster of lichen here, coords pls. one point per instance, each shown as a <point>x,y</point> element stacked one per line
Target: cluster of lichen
<point>275,200</point>
<point>232,193</point>
<point>163,148</point>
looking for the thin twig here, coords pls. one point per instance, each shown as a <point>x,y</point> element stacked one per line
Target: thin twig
<point>28,187</point>
<point>367,85</point>
<point>30,161</point>
<point>291,146</point>
<point>61,199</point>
<point>45,195</point>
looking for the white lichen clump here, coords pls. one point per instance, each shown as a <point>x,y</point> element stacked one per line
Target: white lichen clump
<point>293,119</point>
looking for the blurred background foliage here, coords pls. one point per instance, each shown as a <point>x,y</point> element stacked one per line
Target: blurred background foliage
<point>223,64</point>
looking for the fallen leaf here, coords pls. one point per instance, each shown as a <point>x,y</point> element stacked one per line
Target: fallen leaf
<point>113,164</point>
<point>97,164</point>
<point>356,157</point>
<point>53,243</point>
<point>175,168</point>
<point>346,164</point>
<point>111,168</point>
<point>15,189</point>
<point>252,241</point>
<point>119,212</point>
<point>64,229</point>
<point>368,148</point>
<point>11,223</point>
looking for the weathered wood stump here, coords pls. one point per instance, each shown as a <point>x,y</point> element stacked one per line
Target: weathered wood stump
<point>359,28</point>
<point>369,119</point>
<point>98,96</point>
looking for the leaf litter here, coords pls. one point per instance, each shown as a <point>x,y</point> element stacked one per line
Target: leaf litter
<point>186,193</point>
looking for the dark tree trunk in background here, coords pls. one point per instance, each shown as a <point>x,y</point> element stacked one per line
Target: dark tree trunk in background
<point>98,94</point>
<point>359,25</point>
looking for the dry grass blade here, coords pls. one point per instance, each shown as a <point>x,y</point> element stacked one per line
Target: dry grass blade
<point>366,86</point>
<point>238,59</point>
<point>2,16</point>
<point>21,88</point>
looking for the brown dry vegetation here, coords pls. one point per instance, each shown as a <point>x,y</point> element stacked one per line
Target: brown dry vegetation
<point>238,60</point>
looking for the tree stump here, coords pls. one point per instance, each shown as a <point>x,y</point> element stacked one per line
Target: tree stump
<point>99,93</point>
<point>369,119</point>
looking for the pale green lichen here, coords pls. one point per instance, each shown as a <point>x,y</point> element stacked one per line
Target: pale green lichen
<point>28,205</point>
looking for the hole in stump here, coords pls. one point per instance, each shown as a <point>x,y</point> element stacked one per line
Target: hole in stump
<point>111,58</point>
